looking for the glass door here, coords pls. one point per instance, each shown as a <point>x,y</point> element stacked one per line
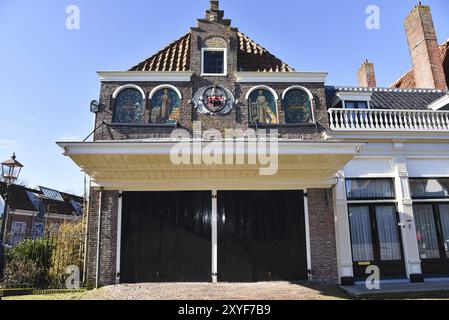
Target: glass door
<point>432,232</point>
<point>376,239</point>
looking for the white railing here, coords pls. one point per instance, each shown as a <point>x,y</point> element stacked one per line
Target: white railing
<point>388,120</point>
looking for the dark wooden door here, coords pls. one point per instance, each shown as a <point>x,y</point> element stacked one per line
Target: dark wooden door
<point>166,236</point>
<point>261,236</point>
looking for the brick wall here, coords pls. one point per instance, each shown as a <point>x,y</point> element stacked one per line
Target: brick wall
<point>322,235</point>
<point>108,247</point>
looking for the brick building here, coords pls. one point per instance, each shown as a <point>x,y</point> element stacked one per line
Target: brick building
<point>156,215</point>
<point>33,212</point>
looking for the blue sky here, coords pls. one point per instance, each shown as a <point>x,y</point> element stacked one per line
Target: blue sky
<point>48,73</point>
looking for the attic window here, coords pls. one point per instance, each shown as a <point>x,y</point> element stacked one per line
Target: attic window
<point>356,105</point>
<point>214,62</point>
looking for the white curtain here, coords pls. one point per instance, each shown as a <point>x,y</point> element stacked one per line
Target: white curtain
<point>387,229</point>
<point>361,238</point>
<point>429,188</point>
<point>444,216</point>
<point>426,231</point>
<point>370,189</point>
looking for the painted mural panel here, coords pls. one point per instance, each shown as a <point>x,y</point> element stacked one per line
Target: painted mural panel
<point>129,106</point>
<point>165,106</point>
<point>298,107</point>
<point>263,106</point>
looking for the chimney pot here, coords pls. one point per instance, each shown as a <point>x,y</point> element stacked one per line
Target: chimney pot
<point>366,75</point>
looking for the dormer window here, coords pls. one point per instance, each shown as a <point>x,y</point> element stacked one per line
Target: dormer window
<point>214,62</point>
<point>352,100</point>
<point>356,105</point>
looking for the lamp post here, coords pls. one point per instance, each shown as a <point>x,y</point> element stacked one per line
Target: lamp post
<point>10,172</point>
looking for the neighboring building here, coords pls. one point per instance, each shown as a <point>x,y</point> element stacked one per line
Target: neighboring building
<point>363,172</point>
<point>33,212</point>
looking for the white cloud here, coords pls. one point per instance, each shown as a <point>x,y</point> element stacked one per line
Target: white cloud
<point>7,144</point>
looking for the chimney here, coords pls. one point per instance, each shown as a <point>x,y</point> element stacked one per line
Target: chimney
<point>366,75</point>
<point>424,49</point>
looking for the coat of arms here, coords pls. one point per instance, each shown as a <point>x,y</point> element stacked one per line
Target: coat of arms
<point>214,100</point>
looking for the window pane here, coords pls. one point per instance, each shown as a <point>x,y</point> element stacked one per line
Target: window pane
<point>444,217</point>
<point>165,106</point>
<point>426,232</point>
<point>361,238</point>
<point>213,62</point>
<point>370,189</point>
<point>350,105</point>
<point>128,106</point>
<point>297,107</point>
<point>387,229</point>
<point>429,188</point>
<point>263,104</point>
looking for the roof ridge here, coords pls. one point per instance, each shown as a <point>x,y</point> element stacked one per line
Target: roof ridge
<point>385,89</point>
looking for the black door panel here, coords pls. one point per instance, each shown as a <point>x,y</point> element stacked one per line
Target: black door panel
<point>166,236</point>
<point>261,236</point>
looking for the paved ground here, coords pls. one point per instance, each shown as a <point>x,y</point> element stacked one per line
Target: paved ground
<point>192,291</point>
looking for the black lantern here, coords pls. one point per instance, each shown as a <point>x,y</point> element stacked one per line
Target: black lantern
<point>11,169</point>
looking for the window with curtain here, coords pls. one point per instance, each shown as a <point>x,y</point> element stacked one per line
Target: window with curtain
<point>366,189</point>
<point>429,188</point>
<point>426,231</point>
<point>262,104</point>
<point>298,107</point>
<point>165,106</point>
<point>387,230</point>
<point>129,106</point>
<point>361,237</point>
<point>444,217</point>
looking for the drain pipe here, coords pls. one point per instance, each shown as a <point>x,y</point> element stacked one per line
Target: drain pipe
<point>100,207</point>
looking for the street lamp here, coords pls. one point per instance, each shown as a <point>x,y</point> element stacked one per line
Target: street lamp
<point>10,172</point>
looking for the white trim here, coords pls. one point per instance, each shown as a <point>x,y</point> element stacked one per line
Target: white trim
<point>214,222</point>
<point>119,236</point>
<point>142,147</point>
<point>128,86</point>
<point>225,62</point>
<point>440,103</point>
<point>307,223</point>
<point>164,86</point>
<point>311,97</point>
<point>262,87</point>
<point>282,77</point>
<point>150,76</point>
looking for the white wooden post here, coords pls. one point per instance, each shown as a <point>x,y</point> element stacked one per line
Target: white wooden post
<point>408,229</point>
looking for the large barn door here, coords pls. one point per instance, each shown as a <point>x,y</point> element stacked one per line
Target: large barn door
<point>261,236</point>
<point>166,236</point>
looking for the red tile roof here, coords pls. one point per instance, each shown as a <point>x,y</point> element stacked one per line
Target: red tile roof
<point>176,57</point>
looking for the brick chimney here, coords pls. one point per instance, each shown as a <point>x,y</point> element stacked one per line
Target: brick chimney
<point>366,75</point>
<point>424,49</point>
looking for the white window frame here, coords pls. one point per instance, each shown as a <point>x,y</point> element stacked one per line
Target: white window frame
<point>225,62</point>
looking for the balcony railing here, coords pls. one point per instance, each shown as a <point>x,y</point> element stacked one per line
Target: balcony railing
<point>388,120</point>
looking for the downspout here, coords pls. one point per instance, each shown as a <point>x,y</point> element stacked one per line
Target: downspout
<point>100,207</point>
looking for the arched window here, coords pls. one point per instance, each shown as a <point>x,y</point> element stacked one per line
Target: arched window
<point>262,106</point>
<point>129,105</point>
<point>297,104</point>
<point>165,103</point>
